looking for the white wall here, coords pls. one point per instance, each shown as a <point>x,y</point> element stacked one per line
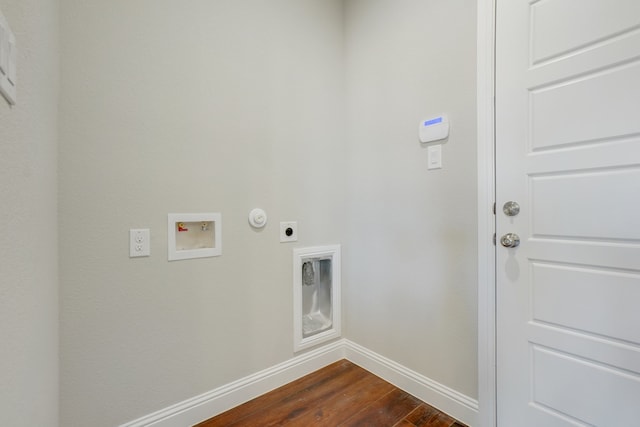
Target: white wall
<point>28,222</point>
<point>411,260</point>
<point>166,107</point>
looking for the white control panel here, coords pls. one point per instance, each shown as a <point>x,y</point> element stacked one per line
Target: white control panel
<point>8,59</point>
<point>434,128</point>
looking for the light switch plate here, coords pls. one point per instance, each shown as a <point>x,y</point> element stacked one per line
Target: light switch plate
<point>434,157</point>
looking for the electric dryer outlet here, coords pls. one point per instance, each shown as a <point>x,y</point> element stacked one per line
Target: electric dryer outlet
<point>288,231</point>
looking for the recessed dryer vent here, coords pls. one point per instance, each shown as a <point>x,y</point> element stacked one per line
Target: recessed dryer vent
<point>316,292</point>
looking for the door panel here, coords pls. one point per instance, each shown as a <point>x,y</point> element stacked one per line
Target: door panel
<point>598,106</point>
<point>568,151</point>
<point>583,381</point>
<point>602,302</point>
<point>607,213</point>
<point>563,27</point>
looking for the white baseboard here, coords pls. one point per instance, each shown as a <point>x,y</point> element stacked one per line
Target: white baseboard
<point>207,405</point>
<point>221,399</point>
<point>459,406</point>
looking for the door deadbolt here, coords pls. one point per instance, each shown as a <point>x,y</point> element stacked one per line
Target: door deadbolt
<point>510,240</point>
<point>511,208</point>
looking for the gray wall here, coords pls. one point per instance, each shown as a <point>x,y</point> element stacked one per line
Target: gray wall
<point>411,267</point>
<point>306,108</point>
<point>218,106</point>
<point>28,222</point>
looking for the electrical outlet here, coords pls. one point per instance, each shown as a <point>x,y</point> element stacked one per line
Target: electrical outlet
<point>139,242</point>
<point>288,231</point>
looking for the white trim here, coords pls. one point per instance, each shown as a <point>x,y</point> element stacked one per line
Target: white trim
<point>207,405</point>
<point>486,219</point>
<point>221,399</point>
<point>456,404</point>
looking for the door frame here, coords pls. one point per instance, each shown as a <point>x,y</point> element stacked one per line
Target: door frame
<point>485,63</point>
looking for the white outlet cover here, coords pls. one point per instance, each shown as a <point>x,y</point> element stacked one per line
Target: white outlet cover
<point>139,242</point>
<point>284,226</point>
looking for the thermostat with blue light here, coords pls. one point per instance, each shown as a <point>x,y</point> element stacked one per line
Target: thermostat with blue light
<point>434,129</point>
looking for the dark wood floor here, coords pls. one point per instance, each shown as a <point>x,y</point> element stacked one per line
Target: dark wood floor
<point>342,394</point>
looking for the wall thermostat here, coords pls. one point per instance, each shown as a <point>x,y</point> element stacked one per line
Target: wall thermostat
<point>434,128</point>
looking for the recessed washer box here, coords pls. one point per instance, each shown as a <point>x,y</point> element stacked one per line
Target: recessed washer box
<point>194,235</point>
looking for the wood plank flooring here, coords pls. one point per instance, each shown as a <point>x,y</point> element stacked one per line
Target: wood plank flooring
<point>339,395</point>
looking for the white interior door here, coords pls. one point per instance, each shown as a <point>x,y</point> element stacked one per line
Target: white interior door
<point>568,152</point>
